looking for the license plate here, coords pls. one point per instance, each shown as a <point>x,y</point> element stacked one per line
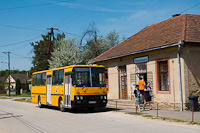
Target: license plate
<point>92,102</point>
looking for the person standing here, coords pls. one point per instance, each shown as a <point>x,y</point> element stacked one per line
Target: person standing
<point>137,96</point>
<point>141,84</point>
<point>147,95</point>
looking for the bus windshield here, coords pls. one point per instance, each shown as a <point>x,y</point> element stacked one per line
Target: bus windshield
<point>88,77</point>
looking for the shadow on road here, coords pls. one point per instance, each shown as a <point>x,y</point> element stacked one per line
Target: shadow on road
<point>82,110</point>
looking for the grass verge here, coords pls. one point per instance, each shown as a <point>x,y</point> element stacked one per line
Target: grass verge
<point>21,95</point>
<point>22,100</point>
<point>5,98</point>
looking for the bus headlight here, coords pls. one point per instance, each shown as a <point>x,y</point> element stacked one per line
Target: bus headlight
<point>101,97</point>
<point>81,97</point>
<point>77,98</point>
<point>105,97</point>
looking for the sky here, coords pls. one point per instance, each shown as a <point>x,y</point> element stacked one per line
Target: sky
<point>23,21</point>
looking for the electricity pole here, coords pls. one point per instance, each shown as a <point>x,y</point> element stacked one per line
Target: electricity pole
<point>8,53</point>
<point>50,45</point>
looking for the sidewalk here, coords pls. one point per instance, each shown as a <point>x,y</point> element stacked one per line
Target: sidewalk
<point>172,114</point>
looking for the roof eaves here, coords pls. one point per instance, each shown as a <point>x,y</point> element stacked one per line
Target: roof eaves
<point>138,52</point>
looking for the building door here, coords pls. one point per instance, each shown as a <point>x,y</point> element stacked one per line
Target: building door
<point>123,83</point>
<point>67,100</point>
<point>141,72</point>
<point>49,89</point>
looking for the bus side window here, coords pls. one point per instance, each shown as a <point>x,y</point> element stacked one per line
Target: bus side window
<point>55,77</point>
<point>60,76</point>
<point>43,83</point>
<point>38,79</point>
<point>34,80</point>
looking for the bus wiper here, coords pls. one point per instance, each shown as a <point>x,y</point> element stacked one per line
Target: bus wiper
<point>85,89</point>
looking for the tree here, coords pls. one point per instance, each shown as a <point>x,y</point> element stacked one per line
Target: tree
<point>96,45</point>
<point>27,87</point>
<point>18,86</point>
<point>66,52</point>
<point>42,50</point>
<point>112,39</point>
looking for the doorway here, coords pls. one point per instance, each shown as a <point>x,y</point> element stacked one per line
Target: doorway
<point>123,82</point>
<point>49,89</point>
<point>141,72</point>
<point>67,99</point>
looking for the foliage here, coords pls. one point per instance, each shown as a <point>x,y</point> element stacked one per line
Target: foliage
<point>27,87</point>
<point>42,50</point>
<point>4,73</point>
<point>70,51</point>
<point>112,39</point>
<point>66,52</point>
<point>96,45</point>
<point>18,86</point>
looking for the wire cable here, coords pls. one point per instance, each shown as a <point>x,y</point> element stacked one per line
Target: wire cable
<point>20,27</point>
<point>189,8</point>
<point>45,4</point>
<point>19,42</point>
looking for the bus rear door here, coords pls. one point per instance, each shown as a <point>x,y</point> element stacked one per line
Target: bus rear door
<point>67,100</point>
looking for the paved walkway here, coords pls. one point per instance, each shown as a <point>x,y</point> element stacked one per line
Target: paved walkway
<point>172,114</point>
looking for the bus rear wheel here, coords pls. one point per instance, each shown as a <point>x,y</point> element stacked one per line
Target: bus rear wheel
<point>61,106</point>
<point>39,102</point>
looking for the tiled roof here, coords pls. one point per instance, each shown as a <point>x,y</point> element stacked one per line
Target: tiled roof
<point>22,77</point>
<point>184,27</point>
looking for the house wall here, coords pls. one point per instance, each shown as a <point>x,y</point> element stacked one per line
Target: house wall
<point>192,70</point>
<point>190,59</point>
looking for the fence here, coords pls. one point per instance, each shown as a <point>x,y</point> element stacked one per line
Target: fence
<point>157,111</point>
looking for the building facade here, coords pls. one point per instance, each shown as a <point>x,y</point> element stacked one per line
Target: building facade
<point>166,54</point>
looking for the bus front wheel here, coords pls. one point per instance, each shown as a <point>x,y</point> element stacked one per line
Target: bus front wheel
<point>61,106</point>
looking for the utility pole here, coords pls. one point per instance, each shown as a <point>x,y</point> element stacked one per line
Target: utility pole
<point>8,53</point>
<point>51,43</point>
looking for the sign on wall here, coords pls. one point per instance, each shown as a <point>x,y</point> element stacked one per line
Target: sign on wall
<point>141,59</point>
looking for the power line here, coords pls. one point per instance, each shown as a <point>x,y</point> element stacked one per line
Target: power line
<point>68,17</point>
<point>189,8</point>
<point>19,7</point>
<point>20,27</point>
<point>70,33</point>
<point>24,28</point>
<point>21,56</point>
<point>19,42</point>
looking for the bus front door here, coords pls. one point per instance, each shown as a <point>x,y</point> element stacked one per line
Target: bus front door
<point>67,100</point>
<point>49,89</point>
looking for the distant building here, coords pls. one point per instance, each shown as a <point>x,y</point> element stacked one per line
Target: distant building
<point>13,77</point>
<point>166,54</point>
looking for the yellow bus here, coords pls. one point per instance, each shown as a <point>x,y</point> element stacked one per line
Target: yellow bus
<point>75,86</point>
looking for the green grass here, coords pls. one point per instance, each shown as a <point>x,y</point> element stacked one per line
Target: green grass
<point>5,98</point>
<point>23,100</point>
<point>21,95</point>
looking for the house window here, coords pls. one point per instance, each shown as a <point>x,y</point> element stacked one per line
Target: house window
<point>163,75</point>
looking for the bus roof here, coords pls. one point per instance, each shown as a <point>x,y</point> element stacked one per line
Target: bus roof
<point>71,66</point>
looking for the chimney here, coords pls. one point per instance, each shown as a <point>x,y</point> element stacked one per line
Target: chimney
<point>175,15</point>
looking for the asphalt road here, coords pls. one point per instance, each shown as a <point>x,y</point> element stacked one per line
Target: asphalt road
<point>18,117</point>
